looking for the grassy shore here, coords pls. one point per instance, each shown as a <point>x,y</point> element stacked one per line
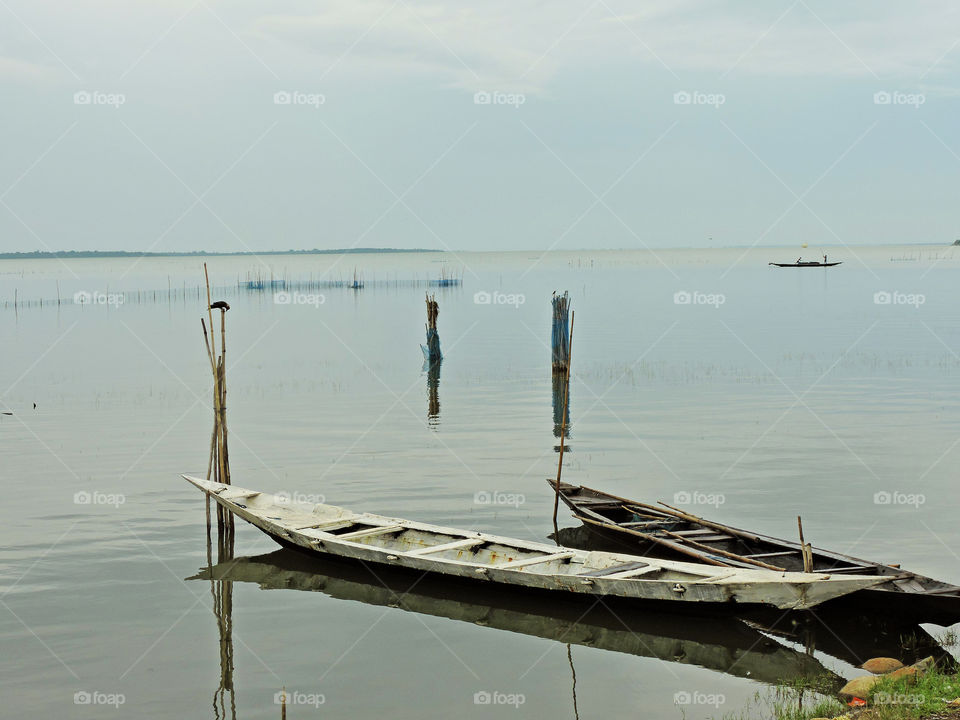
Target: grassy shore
<point>926,697</point>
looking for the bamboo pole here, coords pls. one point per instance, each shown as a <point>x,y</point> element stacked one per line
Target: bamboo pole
<point>806,550</point>
<point>218,461</point>
<point>563,429</point>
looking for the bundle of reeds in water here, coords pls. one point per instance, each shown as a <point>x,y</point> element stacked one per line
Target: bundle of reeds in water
<point>431,351</point>
<point>560,337</point>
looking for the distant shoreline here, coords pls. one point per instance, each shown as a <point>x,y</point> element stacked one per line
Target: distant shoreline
<point>79,254</point>
<point>67,254</point>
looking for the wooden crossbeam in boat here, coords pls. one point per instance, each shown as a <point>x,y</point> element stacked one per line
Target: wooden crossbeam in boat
<point>369,532</point>
<point>718,578</point>
<point>851,568</point>
<point>943,591</point>
<point>698,531</point>
<point>633,573</point>
<point>909,584</point>
<point>773,554</point>
<point>513,564</point>
<point>456,545</point>
<point>617,569</point>
<point>324,527</point>
<point>239,496</point>
<point>716,537</point>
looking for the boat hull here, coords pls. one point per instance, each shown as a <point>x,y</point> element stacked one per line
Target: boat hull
<point>512,563</point>
<point>920,598</point>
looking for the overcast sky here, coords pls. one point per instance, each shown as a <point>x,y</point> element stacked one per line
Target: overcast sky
<point>477,125</point>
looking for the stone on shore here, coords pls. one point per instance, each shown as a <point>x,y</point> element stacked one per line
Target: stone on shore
<point>881,665</point>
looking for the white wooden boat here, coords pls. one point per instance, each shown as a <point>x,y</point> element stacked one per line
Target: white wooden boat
<point>330,530</point>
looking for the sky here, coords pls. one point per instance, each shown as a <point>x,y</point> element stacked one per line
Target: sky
<point>588,124</point>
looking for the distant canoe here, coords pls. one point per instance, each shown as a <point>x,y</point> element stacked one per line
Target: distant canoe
<point>807,264</point>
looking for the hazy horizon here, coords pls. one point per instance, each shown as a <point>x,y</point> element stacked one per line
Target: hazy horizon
<point>171,126</point>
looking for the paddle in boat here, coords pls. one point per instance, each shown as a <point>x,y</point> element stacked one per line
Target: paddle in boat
<point>333,531</point>
<point>668,532</point>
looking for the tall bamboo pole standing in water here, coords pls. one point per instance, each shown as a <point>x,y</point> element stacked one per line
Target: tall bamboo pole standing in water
<point>563,429</point>
<point>219,462</point>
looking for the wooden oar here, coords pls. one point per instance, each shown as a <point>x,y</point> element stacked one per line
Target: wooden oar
<point>674,512</point>
<point>659,541</point>
<point>724,553</point>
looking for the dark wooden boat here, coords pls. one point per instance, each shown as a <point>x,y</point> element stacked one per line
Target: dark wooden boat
<point>668,532</point>
<point>807,264</point>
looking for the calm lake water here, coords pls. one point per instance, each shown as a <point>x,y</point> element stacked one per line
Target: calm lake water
<point>755,393</point>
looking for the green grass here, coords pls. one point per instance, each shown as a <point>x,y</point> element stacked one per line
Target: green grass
<point>890,700</point>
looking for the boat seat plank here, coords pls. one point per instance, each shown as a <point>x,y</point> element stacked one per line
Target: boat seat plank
<point>456,545</point>
<point>616,569</point>
<point>694,533</point>
<point>244,495</point>
<point>369,532</point>
<point>909,585</point>
<point>633,573</point>
<point>514,564</point>
<point>850,568</point>
<point>326,525</point>
<point>717,537</point>
<point>773,554</point>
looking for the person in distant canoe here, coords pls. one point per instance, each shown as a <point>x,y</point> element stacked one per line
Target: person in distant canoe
<point>799,259</point>
<point>824,259</point>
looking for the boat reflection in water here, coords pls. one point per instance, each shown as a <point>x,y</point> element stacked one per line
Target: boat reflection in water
<point>726,645</point>
<point>842,632</point>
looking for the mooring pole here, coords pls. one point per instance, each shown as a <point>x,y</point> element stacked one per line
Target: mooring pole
<point>432,348</point>
<point>563,431</point>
